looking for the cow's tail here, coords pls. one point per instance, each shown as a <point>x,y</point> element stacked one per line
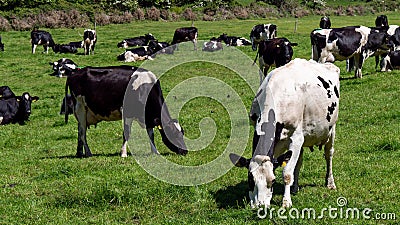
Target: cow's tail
<point>66,103</point>
<point>255,60</point>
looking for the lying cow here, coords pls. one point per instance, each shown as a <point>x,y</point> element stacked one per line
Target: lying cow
<point>40,37</point>
<point>213,45</point>
<point>185,34</point>
<point>160,47</point>
<point>98,95</point>
<point>16,109</point>
<point>136,54</point>
<point>358,42</point>
<point>296,106</point>
<point>391,61</point>
<point>136,41</point>
<point>233,40</point>
<point>6,92</point>
<point>64,48</point>
<point>262,32</point>
<point>63,67</point>
<point>274,52</point>
<point>325,23</point>
<point>89,41</point>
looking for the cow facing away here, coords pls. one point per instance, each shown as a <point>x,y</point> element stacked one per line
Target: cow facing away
<point>6,92</point>
<point>274,52</point>
<point>296,106</point>
<point>89,41</point>
<point>185,34</point>
<point>98,95</point>
<point>15,109</point>
<point>325,23</point>
<point>262,32</point>
<point>40,37</point>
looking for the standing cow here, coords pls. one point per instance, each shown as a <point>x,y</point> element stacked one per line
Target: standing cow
<point>185,34</point>
<point>40,37</point>
<point>89,41</point>
<point>262,32</point>
<point>296,106</point>
<point>98,94</point>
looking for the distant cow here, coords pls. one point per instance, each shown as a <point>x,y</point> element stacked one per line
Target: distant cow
<point>136,54</point>
<point>136,41</point>
<point>381,21</point>
<point>213,45</point>
<point>233,40</point>
<point>63,67</point>
<point>160,47</point>
<point>391,61</point>
<point>64,48</point>
<point>1,45</point>
<point>296,106</point>
<point>76,44</point>
<point>89,41</point>
<point>262,32</point>
<point>16,109</point>
<point>98,95</point>
<point>40,37</point>
<point>358,42</point>
<point>185,34</point>
<point>274,52</point>
<point>325,23</point>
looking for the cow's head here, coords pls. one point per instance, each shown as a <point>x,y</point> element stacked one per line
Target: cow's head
<point>24,108</point>
<point>172,135</point>
<point>325,23</point>
<point>283,51</point>
<point>122,44</point>
<point>63,67</point>
<point>149,37</point>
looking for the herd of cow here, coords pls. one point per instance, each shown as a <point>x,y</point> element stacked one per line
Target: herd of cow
<point>296,106</point>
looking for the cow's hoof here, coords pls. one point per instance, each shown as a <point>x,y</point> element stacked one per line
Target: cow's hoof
<point>182,152</point>
<point>124,155</point>
<point>287,203</point>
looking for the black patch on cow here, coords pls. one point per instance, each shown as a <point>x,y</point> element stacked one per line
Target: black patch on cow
<point>326,86</point>
<point>335,89</point>
<point>331,109</point>
<point>278,131</point>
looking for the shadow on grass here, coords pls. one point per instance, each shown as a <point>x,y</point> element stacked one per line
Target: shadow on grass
<point>75,157</point>
<point>233,196</point>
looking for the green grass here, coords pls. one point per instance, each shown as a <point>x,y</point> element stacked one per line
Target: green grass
<point>41,182</point>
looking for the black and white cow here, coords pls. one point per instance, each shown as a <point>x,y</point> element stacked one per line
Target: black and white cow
<point>213,45</point>
<point>273,52</point>
<point>64,48</point>
<point>63,67</point>
<point>325,23</point>
<point>40,37</point>
<point>89,41</point>
<point>136,41</point>
<point>136,54</point>
<point>391,61</point>
<point>1,45</point>
<point>358,42</point>
<point>185,34</point>
<point>381,21</point>
<point>296,106</point>
<point>98,94</point>
<point>160,47</point>
<point>16,109</point>
<point>262,32</point>
<point>6,92</point>
<point>76,44</point>
<point>233,40</point>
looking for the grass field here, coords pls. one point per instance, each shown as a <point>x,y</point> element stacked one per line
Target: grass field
<point>41,181</point>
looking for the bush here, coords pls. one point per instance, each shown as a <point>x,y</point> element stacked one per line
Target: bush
<point>138,14</point>
<point>153,14</point>
<point>188,14</point>
<point>4,24</point>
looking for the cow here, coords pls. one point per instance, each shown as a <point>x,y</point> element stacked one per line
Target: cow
<point>394,36</point>
<point>136,54</point>
<point>262,32</point>
<point>76,44</point>
<point>391,61</point>
<point>89,41</point>
<point>1,45</point>
<point>274,52</point>
<point>233,40</point>
<point>358,42</point>
<point>185,34</point>
<point>296,106</point>
<point>98,94</point>
<point>213,45</point>
<point>16,109</point>
<point>136,41</point>
<point>160,47</point>
<point>381,21</point>
<point>6,92</point>
<point>325,23</point>
<point>63,67</point>
<point>40,37</point>
<point>64,48</point>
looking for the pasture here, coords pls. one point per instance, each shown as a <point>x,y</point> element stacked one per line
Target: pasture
<point>41,181</point>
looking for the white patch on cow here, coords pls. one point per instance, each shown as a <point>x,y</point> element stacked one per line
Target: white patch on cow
<point>132,57</point>
<point>364,31</point>
<point>26,96</point>
<point>384,63</point>
<point>261,167</point>
<point>143,77</point>
<point>1,119</point>
<point>178,126</point>
<point>392,29</point>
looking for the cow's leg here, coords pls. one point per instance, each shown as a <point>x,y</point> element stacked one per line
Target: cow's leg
<point>34,48</point>
<point>266,68</point>
<point>358,62</point>
<point>295,146</point>
<point>329,150</point>
<point>79,148</point>
<point>45,49</point>
<point>150,132</point>
<point>295,187</point>
<point>80,114</point>
<point>350,64</point>
<point>126,136</point>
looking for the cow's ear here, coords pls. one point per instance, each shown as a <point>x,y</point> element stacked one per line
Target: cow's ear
<point>239,161</point>
<point>294,44</point>
<point>35,98</point>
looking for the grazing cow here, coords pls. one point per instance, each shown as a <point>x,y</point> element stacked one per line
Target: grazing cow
<point>296,106</point>
<point>1,45</point>
<point>6,92</point>
<point>185,34</point>
<point>98,95</point>
<point>262,32</point>
<point>136,54</point>
<point>213,45</point>
<point>329,45</point>
<point>64,48</point>
<point>325,23</point>
<point>233,41</point>
<point>40,37</point>
<point>63,67</point>
<point>391,61</point>
<point>381,21</point>
<point>274,52</point>
<point>16,109</point>
<point>89,41</point>
<point>136,41</point>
